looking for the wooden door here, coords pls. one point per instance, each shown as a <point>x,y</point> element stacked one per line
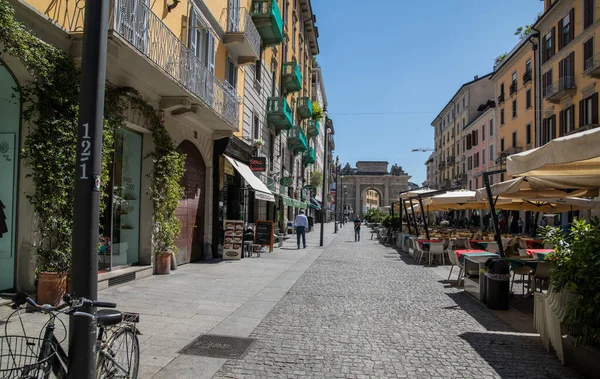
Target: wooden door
<point>191,208</point>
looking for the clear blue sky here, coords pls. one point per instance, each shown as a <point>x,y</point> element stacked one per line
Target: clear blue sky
<point>390,67</point>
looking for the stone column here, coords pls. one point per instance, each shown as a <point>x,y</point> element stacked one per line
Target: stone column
<point>386,187</point>
<point>357,207</point>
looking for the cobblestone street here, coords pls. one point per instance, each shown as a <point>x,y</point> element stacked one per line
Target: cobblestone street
<point>362,311</point>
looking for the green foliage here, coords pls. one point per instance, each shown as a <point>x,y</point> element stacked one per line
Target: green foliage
<point>523,31</point>
<point>373,216</point>
<point>316,179</point>
<point>51,105</point>
<point>317,111</point>
<point>576,268</point>
<point>390,221</point>
<point>314,62</point>
<point>500,58</point>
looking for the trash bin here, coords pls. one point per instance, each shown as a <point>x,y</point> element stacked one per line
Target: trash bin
<point>498,284</point>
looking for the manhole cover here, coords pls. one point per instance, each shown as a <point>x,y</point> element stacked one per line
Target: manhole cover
<point>211,345</point>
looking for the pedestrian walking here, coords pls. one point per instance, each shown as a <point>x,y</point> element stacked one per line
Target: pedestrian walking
<point>301,226</point>
<point>357,223</point>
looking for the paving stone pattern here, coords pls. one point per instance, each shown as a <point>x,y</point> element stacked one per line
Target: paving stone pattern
<point>363,311</point>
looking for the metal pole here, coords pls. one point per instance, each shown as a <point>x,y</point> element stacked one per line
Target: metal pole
<point>414,217</point>
<point>325,156</point>
<point>86,214</point>
<point>407,216</point>
<point>486,181</point>
<point>424,218</point>
<point>335,230</point>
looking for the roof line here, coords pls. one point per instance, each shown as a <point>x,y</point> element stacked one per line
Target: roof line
<point>457,92</point>
<point>514,52</point>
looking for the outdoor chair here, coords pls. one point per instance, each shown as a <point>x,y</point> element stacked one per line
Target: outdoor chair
<point>419,252</point>
<point>461,243</point>
<point>523,253</point>
<point>492,247</point>
<point>539,315</point>
<point>436,249</point>
<point>522,244</point>
<point>541,275</point>
<point>524,271</point>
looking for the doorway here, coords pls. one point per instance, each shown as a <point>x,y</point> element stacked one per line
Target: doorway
<point>190,211</point>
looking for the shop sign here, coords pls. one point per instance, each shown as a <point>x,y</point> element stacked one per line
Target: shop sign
<point>258,164</point>
<point>286,182</point>
<point>234,235</point>
<point>228,168</point>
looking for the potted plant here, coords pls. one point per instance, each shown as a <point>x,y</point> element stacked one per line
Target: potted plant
<point>51,273</point>
<point>258,144</point>
<point>575,268</point>
<point>166,191</point>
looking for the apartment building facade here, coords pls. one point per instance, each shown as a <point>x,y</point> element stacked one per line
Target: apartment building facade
<point>480,140</point>
<point>449,158</point>
<point>569,68</point>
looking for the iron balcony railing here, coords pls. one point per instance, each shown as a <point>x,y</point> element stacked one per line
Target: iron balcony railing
<point>268,21</point>
<point>513,87</point>
<point>562,84</point>
<point>240,21</point>
<point>501,98</point>
<point>592,66</point>
<point>526,77</point>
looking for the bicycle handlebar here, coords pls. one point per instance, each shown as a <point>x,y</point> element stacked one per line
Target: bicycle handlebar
<point>21,298</point>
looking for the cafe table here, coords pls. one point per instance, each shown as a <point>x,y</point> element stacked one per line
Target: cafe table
<point>479,244</point>
<point>540,254</point>
<point>534,244</point>
<point>460,254</point>
<point>425,243</point>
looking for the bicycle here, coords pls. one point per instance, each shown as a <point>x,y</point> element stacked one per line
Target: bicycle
<point>23,357</point>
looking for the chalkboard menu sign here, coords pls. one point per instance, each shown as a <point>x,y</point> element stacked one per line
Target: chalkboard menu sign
<point>263,235</point>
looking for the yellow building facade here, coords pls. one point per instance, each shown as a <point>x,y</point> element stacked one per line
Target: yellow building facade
<point>515,86</point>
<point>569,43</point>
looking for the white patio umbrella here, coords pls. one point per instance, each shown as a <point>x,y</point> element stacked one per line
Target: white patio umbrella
<point>531,188</point>
<point>456,200</point>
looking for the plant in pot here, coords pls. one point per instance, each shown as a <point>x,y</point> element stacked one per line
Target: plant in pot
<point>52,266</point>
<point>576,268</point>
<point>258,144</point>
<point>166,191</point>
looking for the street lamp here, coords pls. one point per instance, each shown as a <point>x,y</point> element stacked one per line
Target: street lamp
<point>325,172</point>
<point>345,193</point>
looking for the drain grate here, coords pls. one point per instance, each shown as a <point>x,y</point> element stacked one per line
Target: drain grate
<point>215,346</point>
<point>121,279</point>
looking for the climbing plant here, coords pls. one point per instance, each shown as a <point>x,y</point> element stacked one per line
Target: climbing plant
<point>51,100</point>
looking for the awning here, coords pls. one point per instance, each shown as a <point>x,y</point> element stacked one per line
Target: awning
<point>314,203</point>
<point>260,189</point>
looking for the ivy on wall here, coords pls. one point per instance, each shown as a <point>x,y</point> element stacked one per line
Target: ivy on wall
<point>51,102</point>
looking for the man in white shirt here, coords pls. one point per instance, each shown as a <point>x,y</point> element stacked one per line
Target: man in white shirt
<point>301,226</point>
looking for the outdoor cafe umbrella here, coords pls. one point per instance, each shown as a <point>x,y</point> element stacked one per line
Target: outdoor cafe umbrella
<point>531,188</point>
<point>554,205</point>
<point>456,200</point>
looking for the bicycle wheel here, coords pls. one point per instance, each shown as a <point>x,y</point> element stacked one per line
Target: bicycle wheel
<point>120,357</point>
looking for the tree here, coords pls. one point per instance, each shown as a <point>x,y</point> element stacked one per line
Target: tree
<point>316,179</point>
<point>317,111</point>
<point>523,31</point>
<point>500,58</point>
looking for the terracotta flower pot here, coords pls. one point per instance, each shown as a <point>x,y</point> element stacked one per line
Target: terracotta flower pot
<point>163,263</point>
<point>51,287</point>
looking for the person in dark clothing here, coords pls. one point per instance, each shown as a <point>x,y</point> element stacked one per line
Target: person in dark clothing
<point>357,223</point>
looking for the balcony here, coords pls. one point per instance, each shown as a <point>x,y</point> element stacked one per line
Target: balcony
<point>501,98</point>
<point>279,114</point>
<point>564,87</point>
<point>304,108</point>
<point>442,165</point>
<point>513,88</point>
<point>511,151</point>
<point>308,157</point>
<point>592,66</point>
<point>314,128</point>
<point>267,18</point>
<point>526,77</point>
<point>241,36</point>
<point>145,54</point>
<point>450,160</point>
<point>296,140</point>
<point>291,76</point>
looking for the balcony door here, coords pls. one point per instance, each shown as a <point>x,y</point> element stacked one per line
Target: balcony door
<point>133,22</point>
<point>234,17</point>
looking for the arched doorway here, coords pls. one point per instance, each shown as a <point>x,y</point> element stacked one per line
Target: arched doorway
<point>191,208</point>
<point>370,200</point>
<point>10,127</point>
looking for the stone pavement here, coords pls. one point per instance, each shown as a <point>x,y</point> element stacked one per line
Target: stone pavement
<point>363,311</point>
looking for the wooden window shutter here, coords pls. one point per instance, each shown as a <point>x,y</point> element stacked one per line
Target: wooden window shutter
<point>544,58</point>
<point>582,113</point>
<point>561,69</point>
<point>553,48</point>
<point>595,108</point>
<point>572,116</point>
<point>561,122</point>
<point>572,25</point>
<point>553,131</point>
<point>543,131</point>
<point>560,34</point>
<point>572,66</point>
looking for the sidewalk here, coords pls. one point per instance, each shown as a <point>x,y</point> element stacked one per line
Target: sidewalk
<point>227,298</point>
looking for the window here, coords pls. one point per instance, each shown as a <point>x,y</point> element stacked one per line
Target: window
<point>271,150</point>
<point>566,29</point>
<point>196,35</point>
<point>491,128</point>
<point>547,82</point>
<point>258,70</point>
<point>502,89</point>
<point>588,111</point>
<point>294,37</point>
<point>588,54</point>
<point>548,129</point>
<point>588,13</point>
<point>475,138</point>
<point>513,83</point>
<point>469,144</point>
<point>502,116</point>
<point>514,139</point>
<point>464,102</point>
<point>566,72</point>
<point>502,144</point>
<point>528,134</point>
<point>285,13</point>
<point>476,160</point>
<point>482,156</point>
<point>231,76</point>
<point>470,163</point>
<point>491,153</point>
<point>528,66</point>
<point>528,99</point>
<point>483,133</point>
<point>566,120</point>
<point>548,46</point>
<point>514,108</point>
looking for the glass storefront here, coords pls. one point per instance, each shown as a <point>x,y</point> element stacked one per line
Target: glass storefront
<point>120,242</point>
<point>10,109</point>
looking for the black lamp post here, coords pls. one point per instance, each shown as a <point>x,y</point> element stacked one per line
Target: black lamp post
<point>325,171</point>
<point>337,164</point>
